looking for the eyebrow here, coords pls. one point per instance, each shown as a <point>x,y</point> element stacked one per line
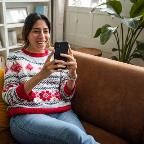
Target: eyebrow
<point>40,28</point>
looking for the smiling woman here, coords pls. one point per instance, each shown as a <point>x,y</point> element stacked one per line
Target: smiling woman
<point>38,90</point>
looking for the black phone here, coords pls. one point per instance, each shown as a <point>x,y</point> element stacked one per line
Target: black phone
<point>61,47</point>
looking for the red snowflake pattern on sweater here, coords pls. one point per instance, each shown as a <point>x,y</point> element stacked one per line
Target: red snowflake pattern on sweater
<point>29,67</point>
<point>58,95</point>
<point>48,96</point>
<point>45,95</point>
<point>16,67</point>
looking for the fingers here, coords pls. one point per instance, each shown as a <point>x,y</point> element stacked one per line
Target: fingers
<point>49,57</point>
<point>58,64</point>
<point>72,63</point>
<point>70,52</point>
<point>53,65</point>
<point>69,57</point>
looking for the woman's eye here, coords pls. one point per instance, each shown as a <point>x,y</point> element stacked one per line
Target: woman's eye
<point>36,31</point>
<point>46,31</point>
<point>39,32</point>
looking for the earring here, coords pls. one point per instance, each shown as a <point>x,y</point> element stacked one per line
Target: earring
<point>26,43</point>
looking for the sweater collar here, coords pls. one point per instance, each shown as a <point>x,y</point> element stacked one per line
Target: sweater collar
<point>35,54</point>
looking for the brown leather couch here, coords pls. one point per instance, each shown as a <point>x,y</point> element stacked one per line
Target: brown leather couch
<point>109,100</point>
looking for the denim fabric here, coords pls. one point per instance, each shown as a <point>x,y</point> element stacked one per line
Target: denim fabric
<point>59,128</point>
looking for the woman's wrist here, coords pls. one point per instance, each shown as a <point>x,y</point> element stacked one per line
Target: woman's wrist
<point>73,76</point>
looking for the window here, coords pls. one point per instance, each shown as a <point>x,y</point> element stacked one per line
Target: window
<point>85,3</point>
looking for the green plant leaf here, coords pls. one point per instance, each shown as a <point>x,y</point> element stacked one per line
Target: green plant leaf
<point>142,55</point>
<point>110,11</point>
<point>141,23</point>
<point>114,49</point>
<point>98,32</point>
<point>136,55</point>
<point>93,9</point>
<point>112,7</point>
<point>137,9</point>
<point>138,52</point>
<point>115,5</point>
<point>133,1</point>
<point>106,32</point>
<point>132,22</point>
<point>140,47</point>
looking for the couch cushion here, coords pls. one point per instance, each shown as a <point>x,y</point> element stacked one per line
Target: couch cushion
<point>4,120</point>
<point>102,136</point>
<point>6,137</point>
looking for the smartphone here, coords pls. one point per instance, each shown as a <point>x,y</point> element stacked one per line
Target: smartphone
<point>61,47</point>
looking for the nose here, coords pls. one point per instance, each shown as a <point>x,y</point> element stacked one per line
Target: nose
<point>41,33</point>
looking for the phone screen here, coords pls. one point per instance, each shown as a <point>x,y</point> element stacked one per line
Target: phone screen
<point>61,47</point>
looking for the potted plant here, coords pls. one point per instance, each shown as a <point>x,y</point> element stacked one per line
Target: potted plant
<point>128,47</point>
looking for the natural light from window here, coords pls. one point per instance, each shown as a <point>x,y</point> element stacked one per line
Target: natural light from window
<point>85,3</point>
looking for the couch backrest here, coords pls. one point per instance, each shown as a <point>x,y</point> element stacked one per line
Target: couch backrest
<point>110,95</point>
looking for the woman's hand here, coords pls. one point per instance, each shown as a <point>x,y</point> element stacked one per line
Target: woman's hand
<point>72,66</point>
<point>51,66</point>
<point>48,68</point>
<point>71,63</point>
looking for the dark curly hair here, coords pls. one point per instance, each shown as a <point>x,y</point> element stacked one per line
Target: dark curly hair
<point>30,20</point>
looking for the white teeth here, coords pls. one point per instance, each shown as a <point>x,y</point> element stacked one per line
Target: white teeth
<point>40,42</point>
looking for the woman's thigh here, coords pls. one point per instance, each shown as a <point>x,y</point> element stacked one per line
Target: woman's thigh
<point>34,128</point>
<point>43,129</point>
<point>71,117</point>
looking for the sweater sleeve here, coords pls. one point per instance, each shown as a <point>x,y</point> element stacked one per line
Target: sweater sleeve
<point>65,92</point>
<point>13,90</point>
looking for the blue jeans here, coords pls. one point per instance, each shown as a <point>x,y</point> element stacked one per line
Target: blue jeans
<point>59,128</point>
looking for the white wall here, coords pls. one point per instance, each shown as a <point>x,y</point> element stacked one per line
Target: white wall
<point>81,26</point>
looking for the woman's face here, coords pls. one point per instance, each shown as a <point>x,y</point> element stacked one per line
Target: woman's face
<point>39,37</point>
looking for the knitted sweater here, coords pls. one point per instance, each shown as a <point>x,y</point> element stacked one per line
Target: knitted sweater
<point>50,95</point>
